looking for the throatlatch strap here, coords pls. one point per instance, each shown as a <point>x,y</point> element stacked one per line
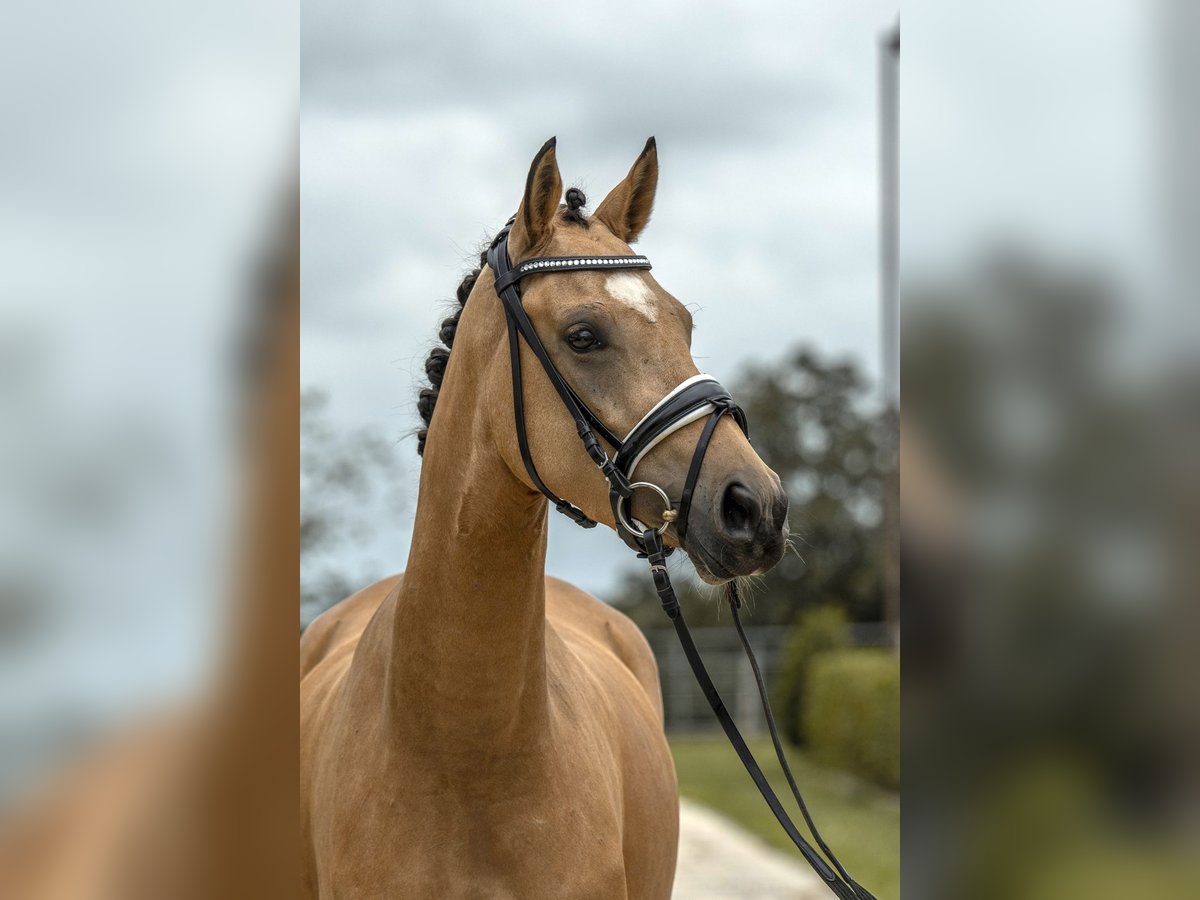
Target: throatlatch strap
<point>570,510</point>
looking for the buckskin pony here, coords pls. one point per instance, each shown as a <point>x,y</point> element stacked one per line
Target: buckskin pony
<point>472,727</point>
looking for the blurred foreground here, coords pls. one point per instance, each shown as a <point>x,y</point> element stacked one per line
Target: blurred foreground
<point>1049,452</point>
<point>149,315</point>
<point>187,792</point>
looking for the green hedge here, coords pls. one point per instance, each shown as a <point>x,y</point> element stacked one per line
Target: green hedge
<point>852,713</point>
<point>815,631</point>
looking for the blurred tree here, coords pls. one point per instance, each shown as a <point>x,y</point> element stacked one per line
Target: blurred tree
<point>342,475</point>
<point>812,421</point>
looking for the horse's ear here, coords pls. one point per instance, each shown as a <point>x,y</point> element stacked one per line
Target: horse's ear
<point>543,190</point>
<point>626,209</point>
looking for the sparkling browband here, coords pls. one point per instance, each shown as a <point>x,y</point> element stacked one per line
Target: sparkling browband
<point>582,262</point>
<point>566,264</point>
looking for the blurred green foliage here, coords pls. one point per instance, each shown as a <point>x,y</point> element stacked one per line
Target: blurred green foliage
<point>816,631</point>
<point>852,713</point>
<point>814,423</point>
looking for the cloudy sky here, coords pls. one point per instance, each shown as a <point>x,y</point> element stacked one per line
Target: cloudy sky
<point>418,127</point>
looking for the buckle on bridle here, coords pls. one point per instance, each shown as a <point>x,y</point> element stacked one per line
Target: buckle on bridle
<point>575,514</point>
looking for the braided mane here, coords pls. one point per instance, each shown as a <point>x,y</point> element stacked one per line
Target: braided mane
<point>435,364</point>
<point>439,357</point>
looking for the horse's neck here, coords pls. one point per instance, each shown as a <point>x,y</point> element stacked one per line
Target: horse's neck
<point>468,651</point>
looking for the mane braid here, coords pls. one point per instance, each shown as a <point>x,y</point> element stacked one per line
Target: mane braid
<point>572,209</point>
<point>439,357</point>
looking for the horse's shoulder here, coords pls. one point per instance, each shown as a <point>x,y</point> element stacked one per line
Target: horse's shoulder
<point>573,610</point>
<point>342,623</point>
<point>573,606</point>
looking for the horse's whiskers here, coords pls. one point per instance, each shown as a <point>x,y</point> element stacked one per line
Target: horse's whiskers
<point>789,546</point>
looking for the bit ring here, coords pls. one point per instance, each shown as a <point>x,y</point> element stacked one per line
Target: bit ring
<point>668,508</point>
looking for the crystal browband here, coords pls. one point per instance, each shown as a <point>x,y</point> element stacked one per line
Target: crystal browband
<point>569,263</point>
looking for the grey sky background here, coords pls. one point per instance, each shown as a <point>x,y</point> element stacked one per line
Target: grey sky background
<point>418,126</point>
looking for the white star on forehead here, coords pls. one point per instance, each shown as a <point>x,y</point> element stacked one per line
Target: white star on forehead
<point>632,290</point>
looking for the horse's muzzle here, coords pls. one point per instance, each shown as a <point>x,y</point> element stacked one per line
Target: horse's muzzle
<point>745,534</point>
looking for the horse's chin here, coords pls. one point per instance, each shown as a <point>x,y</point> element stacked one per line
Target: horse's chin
<point>709,570</point>
<point>708,577</point>
<point>716,569</point>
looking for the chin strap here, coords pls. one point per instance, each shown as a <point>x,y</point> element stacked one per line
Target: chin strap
<point>696,398</point>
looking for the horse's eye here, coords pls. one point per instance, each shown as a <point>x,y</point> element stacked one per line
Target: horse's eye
<point>582,338</point>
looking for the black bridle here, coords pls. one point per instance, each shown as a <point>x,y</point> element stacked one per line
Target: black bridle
<point>698,397</point>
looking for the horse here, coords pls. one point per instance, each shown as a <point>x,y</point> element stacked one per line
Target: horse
<point>472,727</point>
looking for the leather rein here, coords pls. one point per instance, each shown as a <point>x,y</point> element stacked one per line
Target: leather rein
<point>696,398</point>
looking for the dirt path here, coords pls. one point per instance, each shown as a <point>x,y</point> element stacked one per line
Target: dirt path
<point>718,860</point>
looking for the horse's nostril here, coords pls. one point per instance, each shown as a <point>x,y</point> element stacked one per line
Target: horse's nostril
<point>740,510</point>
